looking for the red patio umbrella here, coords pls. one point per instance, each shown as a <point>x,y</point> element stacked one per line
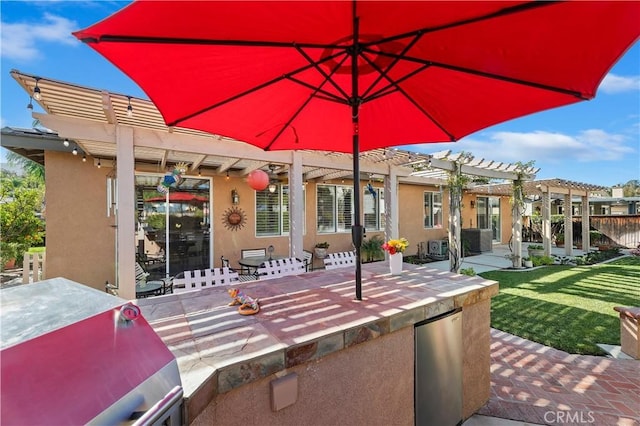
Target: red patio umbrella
<point>180,197</point>
<point>352,76</point>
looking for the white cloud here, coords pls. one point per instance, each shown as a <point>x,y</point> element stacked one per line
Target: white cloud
<point>613,83</point>
<point>588,146</point>
<point>23,41</point>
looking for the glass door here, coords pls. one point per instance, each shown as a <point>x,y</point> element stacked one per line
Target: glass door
<point>173,229</point>
<point>488,209</point>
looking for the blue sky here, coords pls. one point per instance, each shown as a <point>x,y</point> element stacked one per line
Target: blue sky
<point>596,142</point>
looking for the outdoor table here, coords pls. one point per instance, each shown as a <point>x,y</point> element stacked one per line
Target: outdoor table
<point>151,288</point>
<point>254,262</point>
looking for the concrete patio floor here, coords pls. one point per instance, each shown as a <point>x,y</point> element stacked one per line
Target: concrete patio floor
<point>496,259</point>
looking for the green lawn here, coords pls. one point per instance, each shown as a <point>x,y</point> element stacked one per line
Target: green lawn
<point>568,308</point>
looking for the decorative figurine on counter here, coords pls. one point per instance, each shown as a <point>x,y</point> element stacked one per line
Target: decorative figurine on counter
<point>248,305</point>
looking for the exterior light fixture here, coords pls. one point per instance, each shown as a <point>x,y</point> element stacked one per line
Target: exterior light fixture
<point>65,142</point>
<point>199,172</point>
<point>36,91</point>
<point>473,204</point>
<point>30,105</point>
<point>273,179</point>
<point>227,178</point>
<point>129,108</point>
<point>84,158</point>
<point>99,165</point>
<point>75,151</point>
<point>235,198</point>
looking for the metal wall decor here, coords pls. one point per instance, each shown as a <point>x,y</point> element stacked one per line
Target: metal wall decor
<point>234,218</point>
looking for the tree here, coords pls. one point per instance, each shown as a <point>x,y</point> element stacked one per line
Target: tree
<point>21,225</point>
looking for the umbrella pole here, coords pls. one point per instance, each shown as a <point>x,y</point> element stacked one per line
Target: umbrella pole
<point>356,230</point>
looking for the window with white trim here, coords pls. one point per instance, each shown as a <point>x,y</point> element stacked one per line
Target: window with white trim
<point>334,208</point>
<point>373,209</point>
<point>272,212</point>
<point>432,209</point>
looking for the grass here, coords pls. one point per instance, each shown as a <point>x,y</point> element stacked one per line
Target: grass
<point>568,308</point>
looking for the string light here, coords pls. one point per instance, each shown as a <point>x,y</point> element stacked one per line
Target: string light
<point>199,173</point>
<point>99,165</point>
<point>75,151</point>
<point>65,142</point>
<point>30,105</point>
<point>129,108</point>
<point>84,158</point>
<point>227,178</point>
<point>36,91</point>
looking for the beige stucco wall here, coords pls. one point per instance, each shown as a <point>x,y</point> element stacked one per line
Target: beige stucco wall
<point>411,214</point>
<point>80,237</point>
<point>372,380</point>
<point>369,383</point>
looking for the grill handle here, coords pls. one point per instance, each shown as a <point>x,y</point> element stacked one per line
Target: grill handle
<point>161,409</point>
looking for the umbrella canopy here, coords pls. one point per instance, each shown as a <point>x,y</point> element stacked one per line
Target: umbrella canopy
<point>180,197</point>
<point>352,76</point>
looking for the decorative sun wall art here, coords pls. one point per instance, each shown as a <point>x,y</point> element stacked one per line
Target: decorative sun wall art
<point>234,218</point>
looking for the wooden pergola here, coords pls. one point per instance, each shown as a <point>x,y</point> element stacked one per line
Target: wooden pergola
<point>546,189</point>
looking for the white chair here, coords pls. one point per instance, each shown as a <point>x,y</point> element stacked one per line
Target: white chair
<point>205,278</point>
<point>244,253</point>
<point>280,267</point>
<point>340,260</point>
<point>307,259</point>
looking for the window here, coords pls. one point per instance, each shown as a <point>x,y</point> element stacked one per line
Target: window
<point>272,212</point>
<point>334,209</point>
<point>373,203</point>
<point>433,210</point>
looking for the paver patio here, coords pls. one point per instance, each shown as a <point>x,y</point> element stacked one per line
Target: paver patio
<point>537,384</point>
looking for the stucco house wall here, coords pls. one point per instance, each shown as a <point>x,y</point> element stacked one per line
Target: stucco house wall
<point>80,237</point>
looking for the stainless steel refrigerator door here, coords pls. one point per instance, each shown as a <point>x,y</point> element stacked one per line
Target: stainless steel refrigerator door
<point>438,370</point>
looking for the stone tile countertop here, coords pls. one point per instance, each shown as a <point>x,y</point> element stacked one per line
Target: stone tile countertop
<point>302,318</point>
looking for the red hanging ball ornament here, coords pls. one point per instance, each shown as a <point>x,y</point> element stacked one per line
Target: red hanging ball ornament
<point>258,180</point>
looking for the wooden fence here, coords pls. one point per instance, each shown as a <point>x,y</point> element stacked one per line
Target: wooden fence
<point>33,267</point>
<point>623,230</point>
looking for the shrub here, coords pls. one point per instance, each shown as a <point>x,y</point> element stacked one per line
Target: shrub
<point>542,260</point>
<point>468,271</point>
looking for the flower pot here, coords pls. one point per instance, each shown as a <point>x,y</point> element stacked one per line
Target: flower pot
<point>535,252</point>
<point>321,253</point>
<point>527,263</point>
<point>395,263</point>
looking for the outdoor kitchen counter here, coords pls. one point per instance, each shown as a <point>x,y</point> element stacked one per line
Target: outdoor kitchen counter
<point>302,318</point>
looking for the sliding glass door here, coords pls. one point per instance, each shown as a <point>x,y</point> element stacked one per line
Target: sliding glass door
<point>173,228</point>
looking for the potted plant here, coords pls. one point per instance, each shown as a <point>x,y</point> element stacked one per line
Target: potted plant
<point>560,240</point>
<point>527,262</point>
<point>535,250</point>
<point>321,249</point>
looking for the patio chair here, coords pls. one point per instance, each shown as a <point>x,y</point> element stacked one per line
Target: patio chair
<point>279,268</point>
<point>340,260</point>
<point>244,253</point>
<point>205,278</point>
<point>307,258</point>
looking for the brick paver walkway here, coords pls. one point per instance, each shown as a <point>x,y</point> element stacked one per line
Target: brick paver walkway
<point>534,383</point>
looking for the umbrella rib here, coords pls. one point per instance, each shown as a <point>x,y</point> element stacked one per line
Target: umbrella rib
<point>387,90</point>
<point>108,38</point>
<point>328,95</point>
<point>322,72</point>
<point>392,64</point>
<point>304,104</point>
<point>489,75</point>
<point>177,121</point>
<point>410,99</point>
<point>502,12</point>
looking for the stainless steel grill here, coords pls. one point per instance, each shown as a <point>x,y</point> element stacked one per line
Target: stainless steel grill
<point>74,355</point>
